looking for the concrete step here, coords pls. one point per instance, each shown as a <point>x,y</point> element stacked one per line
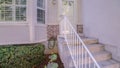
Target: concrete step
<point>109,64</point>
<point>103,58</point>
<point>93,48</point>
<point>99,56</point>
<point>103,64</point>
<point>87,41</point>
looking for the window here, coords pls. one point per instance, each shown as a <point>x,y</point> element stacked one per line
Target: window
<point>12,10</point>
<point>20,13</point>
<point>41,11</point>
<point>6,13</point>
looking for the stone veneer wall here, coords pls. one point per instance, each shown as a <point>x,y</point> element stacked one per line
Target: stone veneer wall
<point>80,28</point>
<point>52,31</point>
<point>115,50</point>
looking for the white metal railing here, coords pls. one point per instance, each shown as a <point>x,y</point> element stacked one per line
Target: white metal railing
<point>73,52</point>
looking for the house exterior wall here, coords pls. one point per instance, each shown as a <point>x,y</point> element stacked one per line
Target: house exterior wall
<point>54,10</point>
<point>79,5</point>
<point>40,33</point>
<point>24,32</point>
<point>52,13</point>
<point>10,34</point>
<point>101,19</point>
<point>53,16</point>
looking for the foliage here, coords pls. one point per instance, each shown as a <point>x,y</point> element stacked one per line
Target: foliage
<point>21,56</point>
<point>53,57</point>
<point>51,63</point>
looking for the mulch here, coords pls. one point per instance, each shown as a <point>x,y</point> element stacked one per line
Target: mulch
<point>46,59</point>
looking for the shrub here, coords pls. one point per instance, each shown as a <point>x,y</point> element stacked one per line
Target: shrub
<point>21,56</point>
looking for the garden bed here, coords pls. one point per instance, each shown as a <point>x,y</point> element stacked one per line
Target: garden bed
<point>21,56</point>
<point>46,60</point>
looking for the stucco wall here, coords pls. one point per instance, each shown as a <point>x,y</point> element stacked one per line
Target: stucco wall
<point>101,19</point>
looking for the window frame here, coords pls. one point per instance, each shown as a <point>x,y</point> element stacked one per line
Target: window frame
<point>43,8</point>
<point>13,6</point>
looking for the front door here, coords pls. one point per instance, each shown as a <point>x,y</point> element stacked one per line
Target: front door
<point>68,7</point>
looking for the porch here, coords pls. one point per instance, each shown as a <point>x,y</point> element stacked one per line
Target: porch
<point>94,22</point>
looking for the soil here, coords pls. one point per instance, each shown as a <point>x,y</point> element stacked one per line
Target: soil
<point>46,59</point>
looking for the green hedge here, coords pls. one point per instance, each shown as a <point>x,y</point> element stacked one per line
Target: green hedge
<point>21,56</point>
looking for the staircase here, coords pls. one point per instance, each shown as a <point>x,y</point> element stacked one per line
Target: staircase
<point>78,51</point>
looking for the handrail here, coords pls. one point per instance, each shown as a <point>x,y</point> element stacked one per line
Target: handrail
<point>86,58</point>
<point>84,46</point>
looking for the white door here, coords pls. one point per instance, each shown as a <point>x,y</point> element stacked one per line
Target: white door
<point>68,7</point>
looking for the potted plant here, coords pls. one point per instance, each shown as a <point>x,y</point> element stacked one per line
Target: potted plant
<point>52,42</point>
<point>51,63</point>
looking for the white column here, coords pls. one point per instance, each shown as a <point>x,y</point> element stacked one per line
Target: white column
<point>32,18</point>
<point>46,12</point>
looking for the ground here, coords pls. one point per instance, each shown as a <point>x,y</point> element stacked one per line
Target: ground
<point>46,59</point>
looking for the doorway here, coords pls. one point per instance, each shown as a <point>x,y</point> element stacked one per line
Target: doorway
<point>69,8</point>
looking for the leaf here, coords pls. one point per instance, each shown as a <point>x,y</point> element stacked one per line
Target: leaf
<point>53,57</point>
<point>52,65</point>
<point>45,66</point>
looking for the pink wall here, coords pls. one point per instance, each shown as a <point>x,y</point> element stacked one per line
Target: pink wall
<point>101,19</point>
<point>20,34</point>
<point>40,33</point>
<point>14,34</point>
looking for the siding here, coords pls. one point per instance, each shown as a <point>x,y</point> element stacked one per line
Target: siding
<point>14,34</point>
<point>40,33</point>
